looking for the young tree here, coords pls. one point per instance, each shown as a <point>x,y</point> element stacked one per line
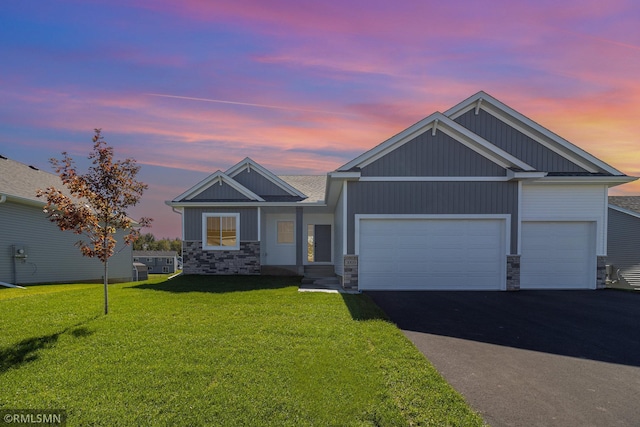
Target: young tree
<point>100,198</point>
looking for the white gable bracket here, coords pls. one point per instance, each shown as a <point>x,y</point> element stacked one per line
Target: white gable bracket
<point>478,106</point>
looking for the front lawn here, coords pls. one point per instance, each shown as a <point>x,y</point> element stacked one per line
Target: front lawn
<point>208,351</point>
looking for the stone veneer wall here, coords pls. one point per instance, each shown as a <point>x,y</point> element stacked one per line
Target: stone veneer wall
<point>246,260</point>
<point>350,272</point>
<point>513,272</point>
<point>601,273</point>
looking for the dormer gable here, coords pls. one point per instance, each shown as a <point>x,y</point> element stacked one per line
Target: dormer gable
<point>218,187</point>
<point>263,182</point>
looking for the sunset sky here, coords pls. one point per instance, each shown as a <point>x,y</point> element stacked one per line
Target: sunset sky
<point>189,87</point>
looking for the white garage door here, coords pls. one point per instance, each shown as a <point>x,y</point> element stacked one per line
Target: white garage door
<point>558,255</point>
<point>438,254</point>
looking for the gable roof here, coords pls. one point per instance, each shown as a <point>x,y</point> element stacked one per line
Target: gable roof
<point>217,177</point>
<point>439,122</point>
<point>20,182</point>
<point>542,135</point>
<point>248,164</point>
<point>626,204</point>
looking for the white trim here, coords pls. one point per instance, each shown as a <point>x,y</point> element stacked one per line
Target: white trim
<point>517,120</point>
<point>519,245</point>
<point>344,175</point>
<point>610,181</point>
<point>623,210</point>
<point>345,224</point>
<point>504,217</point>
<point>197,204</point>
<point>251,164</point>
<point>206,215</point>
<point>259,223</point>
<point>432,178</point>
<point>605,221</point>
<point>525,175</point>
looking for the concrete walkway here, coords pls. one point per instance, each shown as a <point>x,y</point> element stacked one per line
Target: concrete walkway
<point>531,358</point>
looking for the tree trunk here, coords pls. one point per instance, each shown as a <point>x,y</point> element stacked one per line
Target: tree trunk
<point>106,289</point>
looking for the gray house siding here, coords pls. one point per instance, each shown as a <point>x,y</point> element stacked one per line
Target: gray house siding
<point>431,198</point>
<point>248,222</point>
<point>623,245</point>
<point>428,155</point>
<point>219,192</point>
<point>156,265</point>
<point>257,183</point>
<point>516,143</point>
<point>52,256</point>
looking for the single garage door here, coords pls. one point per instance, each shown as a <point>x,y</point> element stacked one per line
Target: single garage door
<point>435,254</point>
<point>558,255</point>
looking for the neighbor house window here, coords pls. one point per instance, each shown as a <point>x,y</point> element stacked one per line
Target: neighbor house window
<point>221,231</point>
<point>169,260</point>
<point>165,269</point>
<point>285,232</point>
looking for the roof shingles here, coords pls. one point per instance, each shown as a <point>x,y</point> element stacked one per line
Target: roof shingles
<point>631,203</point>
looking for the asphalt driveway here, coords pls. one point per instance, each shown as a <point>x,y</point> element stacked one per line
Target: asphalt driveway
<point>531,358</point>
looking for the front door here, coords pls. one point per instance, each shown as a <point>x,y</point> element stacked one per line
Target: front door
<point>319,243</point>
<point>281,239</point>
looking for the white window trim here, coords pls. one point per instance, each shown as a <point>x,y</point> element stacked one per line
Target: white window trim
<point>204,231</point>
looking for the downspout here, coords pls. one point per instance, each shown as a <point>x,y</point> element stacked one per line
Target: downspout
<point>3,198</point>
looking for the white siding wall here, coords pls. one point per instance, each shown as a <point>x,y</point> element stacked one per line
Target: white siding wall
<point>338,236</point>
<point>51,254</point>
<point>567,203</point>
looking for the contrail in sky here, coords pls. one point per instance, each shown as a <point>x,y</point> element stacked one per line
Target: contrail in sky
<point>275,107</point>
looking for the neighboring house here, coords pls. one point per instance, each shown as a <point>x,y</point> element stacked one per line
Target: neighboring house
<point>477,198</point>
<point>158,262</point>
<point>623,244</point>
<point>32,248</point>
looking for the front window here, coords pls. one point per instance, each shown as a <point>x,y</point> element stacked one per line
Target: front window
<point>221,231</point>
<point>285,232</point>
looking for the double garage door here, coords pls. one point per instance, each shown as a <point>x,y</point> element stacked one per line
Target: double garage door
<point>470,254</point>
<point>438,254</point>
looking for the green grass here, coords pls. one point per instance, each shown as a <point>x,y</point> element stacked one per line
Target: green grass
<point>208,351</point>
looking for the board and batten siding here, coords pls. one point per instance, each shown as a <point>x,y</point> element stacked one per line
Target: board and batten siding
<point>515,142</point>
<point>623,245</point>
<point>338,235</point>
<point>260,185</point>
<point>217,192</point>
<point>52,256</point>
<point>551,202</point>
<point>193,222</point>
<point>435,198</point>
<point>429,155</point>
